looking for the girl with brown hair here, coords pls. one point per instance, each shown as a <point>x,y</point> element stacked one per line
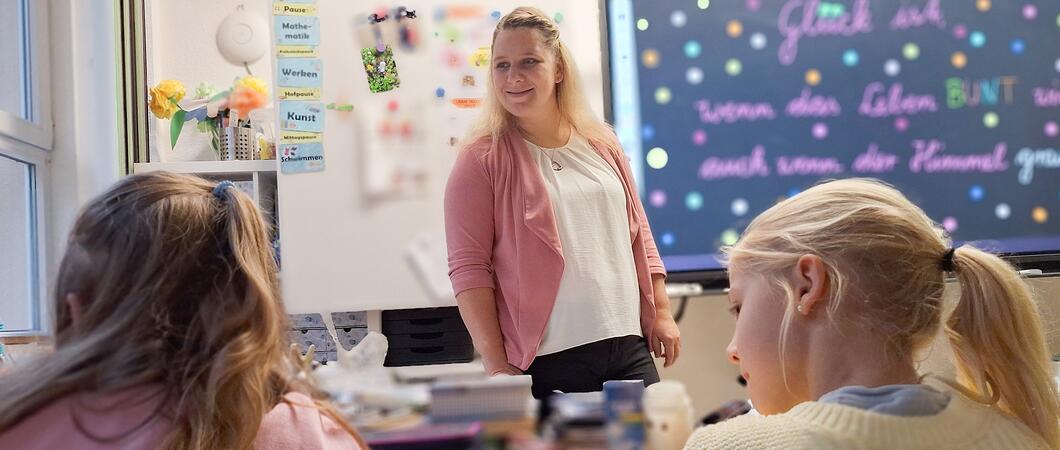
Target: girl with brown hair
<point>169,333</point>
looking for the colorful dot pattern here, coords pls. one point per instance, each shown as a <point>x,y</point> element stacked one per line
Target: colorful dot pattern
<point>730,55</point>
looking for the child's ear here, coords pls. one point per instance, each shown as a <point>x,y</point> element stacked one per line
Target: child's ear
<point>811,277</point>
<point>75,304</point>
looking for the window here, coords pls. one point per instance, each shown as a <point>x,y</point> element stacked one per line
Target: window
<point>12,95</point>
<point>25,106</point>
<point>25,143</point>
<point>18,275</point>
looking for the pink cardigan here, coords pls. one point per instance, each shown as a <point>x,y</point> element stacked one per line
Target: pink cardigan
<point>501,234</point>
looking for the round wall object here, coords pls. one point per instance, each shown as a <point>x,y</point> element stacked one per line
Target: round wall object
<point>243,37</point>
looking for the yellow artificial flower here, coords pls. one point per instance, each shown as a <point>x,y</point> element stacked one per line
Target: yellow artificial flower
<point>164,98</point>
<point>254,83</point>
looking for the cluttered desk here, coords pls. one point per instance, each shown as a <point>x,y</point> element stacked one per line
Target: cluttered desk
<point>456,406</point>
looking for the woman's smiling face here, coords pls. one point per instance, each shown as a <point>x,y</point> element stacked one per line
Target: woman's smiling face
<point>524,72</point>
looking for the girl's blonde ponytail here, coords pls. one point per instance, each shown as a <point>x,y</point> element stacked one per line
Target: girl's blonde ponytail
<point>998,341</point>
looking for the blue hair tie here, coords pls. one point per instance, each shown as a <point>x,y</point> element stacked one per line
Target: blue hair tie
<point>219,190</point>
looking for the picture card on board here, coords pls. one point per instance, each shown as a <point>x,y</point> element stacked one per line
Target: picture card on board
<point>296,30</point>
<point>299,73</point>
<point>301,158</point>
<point>301,116</point>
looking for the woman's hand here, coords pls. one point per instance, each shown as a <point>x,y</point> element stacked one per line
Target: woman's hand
<point>506,369</point>
<point>667,338</point>
<point>478,309</point>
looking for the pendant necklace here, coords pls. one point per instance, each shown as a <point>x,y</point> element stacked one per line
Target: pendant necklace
<point>555,164</point>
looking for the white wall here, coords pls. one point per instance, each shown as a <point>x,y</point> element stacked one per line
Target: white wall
<point>84,109</point>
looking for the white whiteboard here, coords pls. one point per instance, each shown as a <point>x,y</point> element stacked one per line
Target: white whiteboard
<point>344,247</point>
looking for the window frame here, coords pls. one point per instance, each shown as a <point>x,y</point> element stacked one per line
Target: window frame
<point>37,131</point>
<point>39,191</point>
<point>31,142</point>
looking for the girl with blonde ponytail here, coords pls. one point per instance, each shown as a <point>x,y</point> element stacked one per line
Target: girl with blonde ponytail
<point>836,291</point>
<point>169,333</point>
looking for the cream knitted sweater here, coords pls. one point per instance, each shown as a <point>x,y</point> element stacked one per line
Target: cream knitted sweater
<point>963,424</point>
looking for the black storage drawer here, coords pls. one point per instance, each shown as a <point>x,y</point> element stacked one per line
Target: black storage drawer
<point>432,325</point>
<point>426,336</point>
<point>421,313</point>
<point>428,339</point>
<point>421,356</point>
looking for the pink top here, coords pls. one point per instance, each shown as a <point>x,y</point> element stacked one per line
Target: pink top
<point>116,421</point>
<point>501,232</point>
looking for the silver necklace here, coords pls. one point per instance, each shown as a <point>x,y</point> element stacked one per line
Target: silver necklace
<point>555,164</point>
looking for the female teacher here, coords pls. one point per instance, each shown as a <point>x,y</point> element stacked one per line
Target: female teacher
<point>554,267</point>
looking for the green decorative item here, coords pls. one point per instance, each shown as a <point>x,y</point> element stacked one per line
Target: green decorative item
<point>343,107</point>
<point>175,125</point>
<point>381,69</point>
<point>205,90</point>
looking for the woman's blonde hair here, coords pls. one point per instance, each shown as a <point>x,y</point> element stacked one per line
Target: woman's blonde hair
<point>879,247</point>
<point>179,290</point>
<point>570,95</point>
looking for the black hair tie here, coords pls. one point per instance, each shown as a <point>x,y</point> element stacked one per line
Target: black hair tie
<point>219,190</point>
<point>947,260</point>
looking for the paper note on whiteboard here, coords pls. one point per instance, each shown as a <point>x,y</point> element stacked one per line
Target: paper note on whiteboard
<point>300,158</point>
<point>299,73</point>
<point>302,116</point>
<point>296,30</point>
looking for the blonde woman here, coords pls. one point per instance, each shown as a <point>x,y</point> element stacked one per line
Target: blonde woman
<point>835,290</point>
<point>169,333</point>
<point>550,254</point>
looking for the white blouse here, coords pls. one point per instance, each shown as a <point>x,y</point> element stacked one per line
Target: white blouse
<point>598,297</point>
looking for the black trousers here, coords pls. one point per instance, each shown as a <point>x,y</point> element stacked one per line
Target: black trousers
<point>585,368</point>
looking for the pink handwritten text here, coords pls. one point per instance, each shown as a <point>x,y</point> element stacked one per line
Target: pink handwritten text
<point>808,165</point>
<point>911,17</point>
<point>874,161</point>
<point>1046,97</point>
<point>807,105</point>
<point>810,24</point>
<point>729,112</point>
<point>878,102</point>
<point>753,165</point>
<point>928,158</point>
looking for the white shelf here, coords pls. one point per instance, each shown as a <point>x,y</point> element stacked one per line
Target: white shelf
<point>211,167</point>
